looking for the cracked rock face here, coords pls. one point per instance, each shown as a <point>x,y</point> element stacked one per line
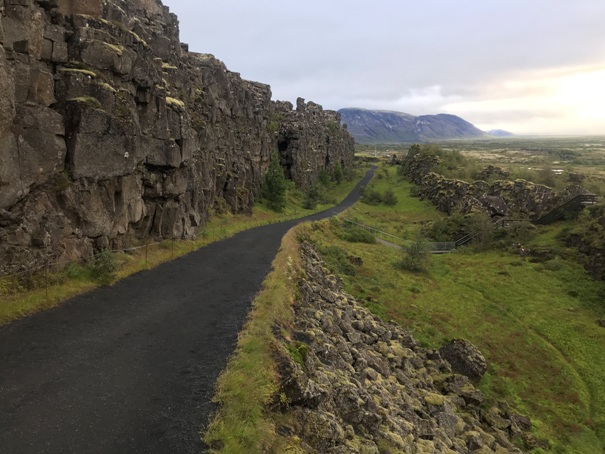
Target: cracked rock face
<point>111,131</point>
<point>502,197</point>
<point>363,385</point>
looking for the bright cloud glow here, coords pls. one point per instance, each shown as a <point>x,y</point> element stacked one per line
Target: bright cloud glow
<point>567,101</point>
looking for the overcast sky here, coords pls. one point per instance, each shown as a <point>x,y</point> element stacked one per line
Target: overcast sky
<point>527,66</point>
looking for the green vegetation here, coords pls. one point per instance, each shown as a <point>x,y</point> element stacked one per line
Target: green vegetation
<point>534,322</point>
<point>249,383</point>
<point>275,185</point>
<point>534,318</point>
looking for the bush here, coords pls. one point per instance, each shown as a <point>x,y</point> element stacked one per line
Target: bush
<point>338,173</point>
<point>371,196</point>
<point>275,185</point>
<point>103,266</point>
<point>324,177</point>
<point>416,257</point>
<point>356,234</point>
<point>389,198</point>
<point>312,197</point>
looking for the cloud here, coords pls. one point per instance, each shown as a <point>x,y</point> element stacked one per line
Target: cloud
<point>485,61</point>
<point>555,101</point>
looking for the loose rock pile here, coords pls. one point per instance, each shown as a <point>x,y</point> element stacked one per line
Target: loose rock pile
<point>355,384</point>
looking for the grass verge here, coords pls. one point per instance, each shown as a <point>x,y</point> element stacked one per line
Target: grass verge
<point>245,389</point>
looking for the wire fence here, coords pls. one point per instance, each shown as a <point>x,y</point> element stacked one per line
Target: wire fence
<point>436,247</point>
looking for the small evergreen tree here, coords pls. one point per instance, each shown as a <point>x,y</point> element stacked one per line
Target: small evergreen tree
<point>275,185</point>
<point>312,197</point>
<point>338,173</point>
<point>416,256</point>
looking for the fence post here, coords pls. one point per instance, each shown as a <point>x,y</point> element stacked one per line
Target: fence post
<point>46,278</point>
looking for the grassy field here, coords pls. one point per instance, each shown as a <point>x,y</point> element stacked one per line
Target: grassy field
<point>534,322</point>
<point>24,295</point>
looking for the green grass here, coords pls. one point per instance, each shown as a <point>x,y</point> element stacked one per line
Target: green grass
<point>245,389</point>
<point>534,322</point>
<point>405,218</point>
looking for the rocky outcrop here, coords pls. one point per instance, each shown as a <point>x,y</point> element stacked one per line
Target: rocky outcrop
<point>590,242</point>
<point>520,198</point>
<point>295,136</point>
<point>465,359</point>
<point>112,132</point>
<point>352,383</point>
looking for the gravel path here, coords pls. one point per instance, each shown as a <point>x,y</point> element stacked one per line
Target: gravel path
<point>131,368</point>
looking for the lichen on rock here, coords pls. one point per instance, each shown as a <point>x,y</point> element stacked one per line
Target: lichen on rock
<point>367,386</point>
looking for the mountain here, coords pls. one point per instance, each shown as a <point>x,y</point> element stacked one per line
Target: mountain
<point>383,126</point>
<point>500,133</point>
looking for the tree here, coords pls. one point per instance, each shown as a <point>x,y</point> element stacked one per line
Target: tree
<point>338,173</point>
<point>416,256</point>
<point>275,185</point>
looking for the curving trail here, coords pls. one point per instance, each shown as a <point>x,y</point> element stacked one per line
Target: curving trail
<point>131,368</point>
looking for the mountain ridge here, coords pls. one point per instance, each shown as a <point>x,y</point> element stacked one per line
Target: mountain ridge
<point>369,126</point>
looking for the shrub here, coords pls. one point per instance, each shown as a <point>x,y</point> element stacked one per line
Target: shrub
<point>389,198</point>
<point>275,185</point>
<point>312,197</point>
<point>103,266</point>
<point>356,234</point>
<point>338,173</point>
<point>371,196</point>
<point>324,177</point>
<point>416,257</point>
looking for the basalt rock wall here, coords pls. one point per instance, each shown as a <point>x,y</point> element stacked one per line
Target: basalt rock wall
<point>520,198</point>
<point>112,132</point>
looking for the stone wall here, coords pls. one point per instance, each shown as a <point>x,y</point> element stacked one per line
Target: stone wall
<point>112,132</point>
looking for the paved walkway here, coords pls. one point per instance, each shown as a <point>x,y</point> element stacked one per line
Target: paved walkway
<point>131,368</point>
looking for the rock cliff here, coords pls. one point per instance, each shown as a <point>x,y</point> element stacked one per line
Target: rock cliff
<point>352,383</point>
<point>111,131</point>
<point>521,198</point>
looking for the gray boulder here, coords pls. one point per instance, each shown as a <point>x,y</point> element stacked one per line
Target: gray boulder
<point>465,359</point>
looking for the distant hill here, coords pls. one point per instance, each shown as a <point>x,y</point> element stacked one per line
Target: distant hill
<point>383,126</point>
<point>500,133</point>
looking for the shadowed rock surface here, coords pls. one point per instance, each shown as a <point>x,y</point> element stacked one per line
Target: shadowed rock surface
<point>112,132</point>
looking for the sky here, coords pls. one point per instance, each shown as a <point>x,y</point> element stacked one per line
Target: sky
<point>525,66</point>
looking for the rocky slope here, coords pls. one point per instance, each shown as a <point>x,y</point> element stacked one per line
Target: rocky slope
<point>355,384</point>
<point>112,132</point>
<point>380,126</point>
<point>520,198</point>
